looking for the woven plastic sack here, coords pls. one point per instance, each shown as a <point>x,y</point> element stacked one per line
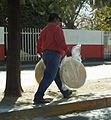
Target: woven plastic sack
<point>39,70</point>
<point>76,52</point>
<point>72,72</point>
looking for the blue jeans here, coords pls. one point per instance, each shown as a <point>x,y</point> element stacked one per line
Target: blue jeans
<point>52,62</point>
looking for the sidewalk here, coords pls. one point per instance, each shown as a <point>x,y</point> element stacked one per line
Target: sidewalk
<point>94,94</point>
<point>81,100</point>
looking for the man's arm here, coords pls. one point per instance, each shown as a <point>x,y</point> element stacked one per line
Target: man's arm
<point>40,46</point>
<point>60,40</point>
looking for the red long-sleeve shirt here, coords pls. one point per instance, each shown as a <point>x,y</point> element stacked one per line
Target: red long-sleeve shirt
<point>52,38</point>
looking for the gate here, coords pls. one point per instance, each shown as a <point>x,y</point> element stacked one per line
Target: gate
<point>107,45</point>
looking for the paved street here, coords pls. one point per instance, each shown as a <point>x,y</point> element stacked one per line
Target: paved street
<point>93,72</point>
<point>27,78</point>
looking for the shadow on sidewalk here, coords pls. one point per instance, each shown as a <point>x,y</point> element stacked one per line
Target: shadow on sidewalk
<point>7,103</point>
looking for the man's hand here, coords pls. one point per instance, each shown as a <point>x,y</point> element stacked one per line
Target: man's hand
<point>69,54</point>
<point>39,55</point>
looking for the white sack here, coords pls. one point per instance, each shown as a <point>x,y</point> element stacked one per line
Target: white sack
<point>76,52</point>
<point>39,70</point>
<point>72,72</point>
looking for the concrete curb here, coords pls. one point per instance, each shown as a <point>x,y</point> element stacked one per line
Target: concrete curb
<point>57,109</point>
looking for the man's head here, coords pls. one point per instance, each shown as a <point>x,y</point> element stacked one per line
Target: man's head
<point>53,17</point>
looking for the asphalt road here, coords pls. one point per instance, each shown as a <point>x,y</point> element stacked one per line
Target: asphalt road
<point>93,72</point>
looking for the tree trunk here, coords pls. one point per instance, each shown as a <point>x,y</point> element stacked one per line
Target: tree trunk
<point>13,80</point>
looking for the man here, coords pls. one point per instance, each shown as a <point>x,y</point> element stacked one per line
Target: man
<point>52,48</point>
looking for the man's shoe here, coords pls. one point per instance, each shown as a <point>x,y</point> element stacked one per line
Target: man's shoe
<point>41,101</point>
<point>67,94</point>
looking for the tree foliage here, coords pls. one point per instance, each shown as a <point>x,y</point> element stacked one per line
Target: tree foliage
<point>103,18</point>
<point>3,12</point>
<point>96,4</point>
<point>100,18</point>
<point>35,12</point>
<point>38,11</point>
<point>68,10</point>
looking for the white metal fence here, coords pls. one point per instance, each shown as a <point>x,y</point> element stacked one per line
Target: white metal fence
<point>29,37</point>
<point>28,44</point>
<point>107,44</point>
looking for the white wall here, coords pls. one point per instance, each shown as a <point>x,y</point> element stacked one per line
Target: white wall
<point>83,37</point>
<point>1,35</point>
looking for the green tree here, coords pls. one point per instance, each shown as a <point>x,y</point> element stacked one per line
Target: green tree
<point>100,16</point>
<point>99,3</point>
<point>34,13</point>
<point>3,12</point>
<point>103,18</point>
<point>68,10</point>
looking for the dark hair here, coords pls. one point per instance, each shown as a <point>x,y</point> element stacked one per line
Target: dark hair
<point>53,16</point>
